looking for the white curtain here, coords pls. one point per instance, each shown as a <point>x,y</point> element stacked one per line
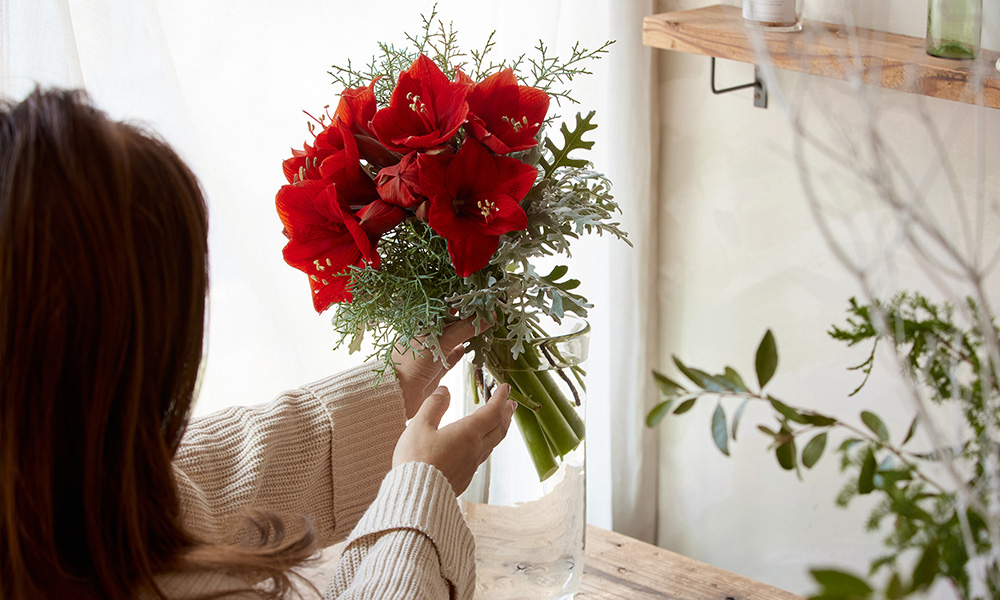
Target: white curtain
<point>225,83</point>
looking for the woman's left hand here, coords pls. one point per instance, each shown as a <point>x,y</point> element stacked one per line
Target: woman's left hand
<point>419,375</point>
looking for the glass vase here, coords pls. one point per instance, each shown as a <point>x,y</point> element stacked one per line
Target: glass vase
<point>773,15</point>
<point>954,28</point>
<point>529,516</point>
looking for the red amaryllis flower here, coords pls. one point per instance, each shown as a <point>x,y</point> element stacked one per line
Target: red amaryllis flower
<point>324,240</point>
<point>474,199</point>
<point>344,169</point>
<point>425,109</point>
<point>398,184</point>
<point>304,164</point>
<point>334,157</point>
<point>504,115</point>
<point>357,107</point>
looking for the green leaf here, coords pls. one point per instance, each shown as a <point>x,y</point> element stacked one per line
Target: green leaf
<point>356,340</point>
<point>659,411</point>
<point>572,140</point>
<point>840,583</point>
<point>685,406</point>
<point>767,359</point>
<point>911,431</point>
<point>720,431</point>
<point>557,272</point>
<point>723,383</point>
<point>927,568</point>
<point>866,480</point>
<point>738,416</point>
<point>790,413</point>
<point>895,590</point>
<point>785,453</point>
<point>735,379</point>
<point>849,443</point>
<point>875,424</point>
<point>768,431</point>
<point>667,386</point>
<point>818,420</point>
<point>699,378</point>
<point>814,450</point>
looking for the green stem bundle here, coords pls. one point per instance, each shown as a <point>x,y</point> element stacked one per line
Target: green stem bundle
<point>548,421</point>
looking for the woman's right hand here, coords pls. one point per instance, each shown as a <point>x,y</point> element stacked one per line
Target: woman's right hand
<point>459,448</point>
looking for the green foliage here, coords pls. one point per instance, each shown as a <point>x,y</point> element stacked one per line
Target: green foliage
<point>932,531</point>
<point>416,292</point>
<point>439,41</point>
<point>572,140</point>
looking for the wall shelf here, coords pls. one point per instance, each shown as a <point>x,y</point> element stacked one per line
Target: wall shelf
<point>890,60</point>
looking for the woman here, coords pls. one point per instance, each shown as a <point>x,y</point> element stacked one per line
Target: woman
<point>107,490</point>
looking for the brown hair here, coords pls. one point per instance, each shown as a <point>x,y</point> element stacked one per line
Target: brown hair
<point>103,277</point>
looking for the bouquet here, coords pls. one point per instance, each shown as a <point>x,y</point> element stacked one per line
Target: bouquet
<point>429,194</point>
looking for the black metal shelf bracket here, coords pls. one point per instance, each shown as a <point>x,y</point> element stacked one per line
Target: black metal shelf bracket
<point>759,88</point>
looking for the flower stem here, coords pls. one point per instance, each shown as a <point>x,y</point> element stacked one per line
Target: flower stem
<point>558,431</point>
<point>562,403</point>
<point>538,447</point>
<point>552,427</point>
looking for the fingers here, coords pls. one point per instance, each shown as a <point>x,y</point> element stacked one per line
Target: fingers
<point>457,333</point>
<point>440,370</point>
<point>434,407</point>
<point>498,433</point>
<point>492,414</point>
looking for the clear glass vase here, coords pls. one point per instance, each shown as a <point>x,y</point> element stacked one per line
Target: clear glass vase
<point>529,520</point>
<point>954,28</point>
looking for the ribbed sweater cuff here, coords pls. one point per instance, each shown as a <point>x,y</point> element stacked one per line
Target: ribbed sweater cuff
<point>417,496</point>
<point>368,417</point>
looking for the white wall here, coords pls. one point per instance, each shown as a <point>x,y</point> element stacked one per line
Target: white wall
<point>740,253</point>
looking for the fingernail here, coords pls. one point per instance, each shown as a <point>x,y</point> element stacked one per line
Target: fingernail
<point>511,406</point>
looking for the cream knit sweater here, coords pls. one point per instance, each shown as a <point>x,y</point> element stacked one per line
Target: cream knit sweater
<point>324,452</point>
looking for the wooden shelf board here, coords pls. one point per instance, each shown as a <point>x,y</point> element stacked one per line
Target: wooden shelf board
<point>890,60</point>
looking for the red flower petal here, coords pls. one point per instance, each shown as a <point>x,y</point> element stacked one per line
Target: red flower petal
<point>357,107</point>
<point>379,217</point>
<point>344,169</point>
<point>398,184</point>
<point>425,110</point>
<point>506,116</point>
<point>472,254</point>
<point>473,199</point>
<point>325,240</point>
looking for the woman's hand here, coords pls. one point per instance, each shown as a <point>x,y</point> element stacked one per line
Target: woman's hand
<point>419,375</point>
<point>459,448</point>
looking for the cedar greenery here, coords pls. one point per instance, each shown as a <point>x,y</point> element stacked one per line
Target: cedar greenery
<point>942,522</point>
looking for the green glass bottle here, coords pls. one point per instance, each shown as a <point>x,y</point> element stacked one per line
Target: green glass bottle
<point>954,28</point>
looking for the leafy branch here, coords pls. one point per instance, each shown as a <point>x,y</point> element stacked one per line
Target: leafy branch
<point>931,520</point>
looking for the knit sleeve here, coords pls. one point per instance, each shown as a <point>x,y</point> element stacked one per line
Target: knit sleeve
<point>411,544</point>
<point>317,453</point>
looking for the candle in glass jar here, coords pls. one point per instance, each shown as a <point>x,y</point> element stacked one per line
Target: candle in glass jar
<point>774,15</point>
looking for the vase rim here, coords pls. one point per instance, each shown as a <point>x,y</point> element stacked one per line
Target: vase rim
<point>584,328</point>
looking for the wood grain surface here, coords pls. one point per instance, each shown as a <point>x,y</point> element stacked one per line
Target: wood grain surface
<point>890,60</point>
<point>619,567</point>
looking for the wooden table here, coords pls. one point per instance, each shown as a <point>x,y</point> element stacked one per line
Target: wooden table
<point>618,567</point>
